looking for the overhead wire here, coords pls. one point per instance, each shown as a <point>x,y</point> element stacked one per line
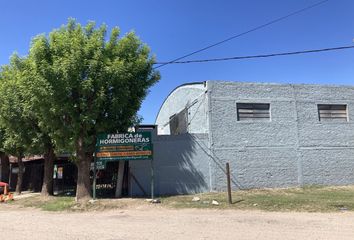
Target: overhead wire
<point>244,33</point>
<point>263,55</point>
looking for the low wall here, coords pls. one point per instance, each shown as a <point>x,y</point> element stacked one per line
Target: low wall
<point>181,166</point>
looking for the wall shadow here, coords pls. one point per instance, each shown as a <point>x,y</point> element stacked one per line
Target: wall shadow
<point>181,166</point>
<point>218,162</point>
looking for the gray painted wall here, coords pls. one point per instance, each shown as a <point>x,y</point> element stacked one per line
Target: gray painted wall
<point>292,149</point>
<point>180,166</point>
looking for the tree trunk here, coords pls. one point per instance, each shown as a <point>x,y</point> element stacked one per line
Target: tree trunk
<point>83,188</point>
<point>5,167</point>
<point>20,174</point>
<point>47,187</point>
<point>119,186</point>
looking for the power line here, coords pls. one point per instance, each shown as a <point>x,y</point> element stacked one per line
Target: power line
<point>244,33</point>
<point>261,56</point>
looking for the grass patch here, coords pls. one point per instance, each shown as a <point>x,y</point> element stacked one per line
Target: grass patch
<point>69,204</point>
<point>307,199</point>
<point>48,203</point>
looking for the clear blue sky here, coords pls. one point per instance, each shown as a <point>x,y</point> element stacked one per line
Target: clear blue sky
<point>174,28</point>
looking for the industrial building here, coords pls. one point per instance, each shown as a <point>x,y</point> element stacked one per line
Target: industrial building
<point>273,135</point>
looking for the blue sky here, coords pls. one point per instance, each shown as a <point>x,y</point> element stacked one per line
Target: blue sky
<point>174,28</point>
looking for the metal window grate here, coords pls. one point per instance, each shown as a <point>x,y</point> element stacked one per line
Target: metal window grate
<point>253,111</point>
<point>332,112</point>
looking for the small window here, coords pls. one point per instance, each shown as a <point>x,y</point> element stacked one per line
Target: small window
<point>332,112</point>
<point>253,111</point>
<point>179,122</point>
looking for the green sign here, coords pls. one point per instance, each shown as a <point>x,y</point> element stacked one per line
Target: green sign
<point>124,146</point>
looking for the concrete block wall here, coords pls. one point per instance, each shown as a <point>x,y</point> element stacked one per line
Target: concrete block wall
<point>181,165</point>
<point>326,149</point>
<point>292,149</point>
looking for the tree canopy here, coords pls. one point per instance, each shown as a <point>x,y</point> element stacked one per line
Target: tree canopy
<point>73,84</point>
<point>80,84</point>
<point>18,132</point>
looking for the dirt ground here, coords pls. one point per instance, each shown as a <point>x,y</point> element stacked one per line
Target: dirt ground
<point>156,222</point>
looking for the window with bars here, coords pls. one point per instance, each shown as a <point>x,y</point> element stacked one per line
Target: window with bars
<point>253,111</point>
<point>332,112</point>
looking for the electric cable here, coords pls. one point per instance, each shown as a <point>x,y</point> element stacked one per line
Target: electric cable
<point>262,55</point>
<point>244,33</point>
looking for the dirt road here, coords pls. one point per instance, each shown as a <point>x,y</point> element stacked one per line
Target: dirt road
<point>153,222</point>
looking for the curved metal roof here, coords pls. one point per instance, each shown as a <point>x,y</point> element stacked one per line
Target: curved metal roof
<point>183,85</point>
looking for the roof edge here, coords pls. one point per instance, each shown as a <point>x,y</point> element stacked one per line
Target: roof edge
<point>182,85</point>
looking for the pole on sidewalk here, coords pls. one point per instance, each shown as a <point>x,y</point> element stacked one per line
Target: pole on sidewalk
<point>6,191</point>
<point>94,176</point>
<point>228,183</point>
<point>152,179</point>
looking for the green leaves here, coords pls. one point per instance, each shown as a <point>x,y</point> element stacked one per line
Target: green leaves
<point>15,120</point>
<point>78,82</point>
<point>74,83</point>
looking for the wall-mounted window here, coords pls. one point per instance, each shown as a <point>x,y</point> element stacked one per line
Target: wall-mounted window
<point>332,112</point>
<point>253,111</point>
<point>179,122</point>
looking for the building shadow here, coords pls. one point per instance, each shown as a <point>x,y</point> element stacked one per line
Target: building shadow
<point>180,166</point>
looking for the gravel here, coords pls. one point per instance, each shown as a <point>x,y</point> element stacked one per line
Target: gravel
<point>157,222</point>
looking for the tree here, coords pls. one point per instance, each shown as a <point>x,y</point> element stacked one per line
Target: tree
<point>42,142</point>
<point>84,85</point>
<point>49,157</point>
<point>22,134</point>
<point>18,130</point>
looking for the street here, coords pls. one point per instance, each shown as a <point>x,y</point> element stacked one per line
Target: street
<point>156,222</point>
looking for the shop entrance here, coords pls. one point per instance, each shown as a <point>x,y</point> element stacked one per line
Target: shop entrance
<point>106,180</point>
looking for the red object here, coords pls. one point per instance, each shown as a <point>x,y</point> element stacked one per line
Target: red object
<point>3,184</point>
